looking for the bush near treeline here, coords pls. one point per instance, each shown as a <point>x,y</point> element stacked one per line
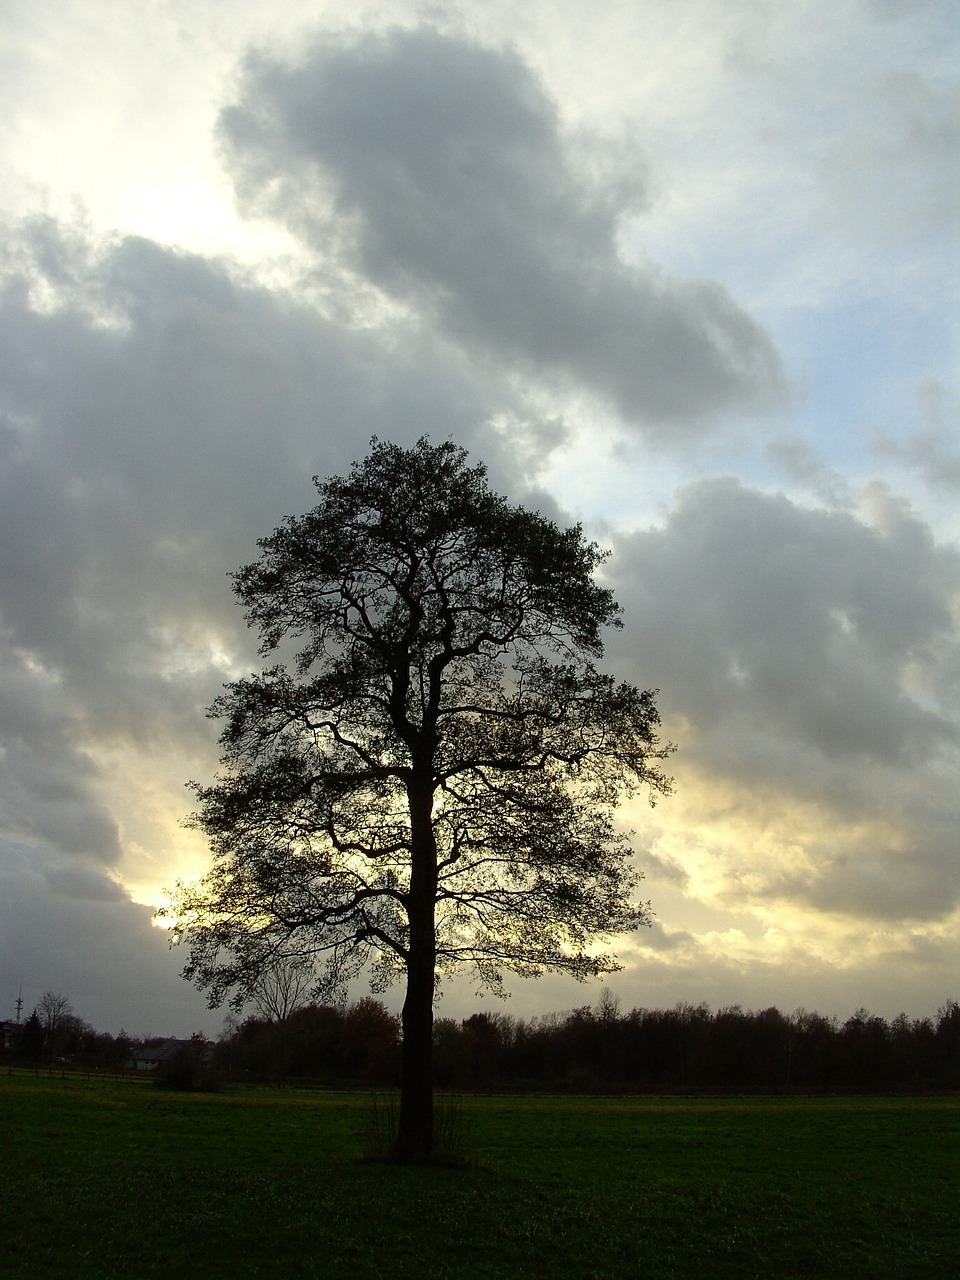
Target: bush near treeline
<point>685,1048</point>
<point>319,1043</point>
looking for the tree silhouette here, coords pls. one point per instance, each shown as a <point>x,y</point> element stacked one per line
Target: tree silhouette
<point>54,1009</point>
<point>428,778</point>
<point>282,986</point>
<point>31,1040</point>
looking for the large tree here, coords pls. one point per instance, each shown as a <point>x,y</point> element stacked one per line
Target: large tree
<point>427,778</point>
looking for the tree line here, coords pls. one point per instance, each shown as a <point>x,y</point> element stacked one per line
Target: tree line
<point>687,1048</point>
<point>53,1033</point>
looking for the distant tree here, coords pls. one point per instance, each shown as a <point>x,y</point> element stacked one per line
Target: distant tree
<point>73,1035</point>
<point>947,1043</point>
<point>449,1054</point>
<point>314,1035</point>
<point>282,986</point>
<point>251,1051</point>
<point>54,1008</point>
<point>486,1036</point>
<point>816,1052</point>
<point>865,1046</point>
<point>608,1006</point>
<point>369,1039</point>
<point>29,1047</point>
<point>431,780</point>
<point>359,1044</point>
<point>112,1052</point>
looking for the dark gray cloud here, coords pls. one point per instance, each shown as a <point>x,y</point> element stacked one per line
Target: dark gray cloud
<point>917,878</point>
<point>807,623</point>
<point>63,928</point>
<point>802,982</point>
<point>84,884</point>
<point>813,658</point>
<point>49,786</point>
<point>158,413</point>
<point>157,417</point>
<point>438,169</point>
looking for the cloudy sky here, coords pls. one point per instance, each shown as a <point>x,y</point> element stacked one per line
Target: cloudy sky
<point>681,270</point>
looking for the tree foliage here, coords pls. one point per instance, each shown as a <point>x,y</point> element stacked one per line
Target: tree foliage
<point>427,777</point>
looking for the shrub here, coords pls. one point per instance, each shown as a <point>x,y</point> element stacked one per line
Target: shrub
<point>189,1069</point>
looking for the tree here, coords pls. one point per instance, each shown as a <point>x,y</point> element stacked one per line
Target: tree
<point>30,1043</point>
<point>281,987</point>
<point>429,779</point>
<point>54,1009</point>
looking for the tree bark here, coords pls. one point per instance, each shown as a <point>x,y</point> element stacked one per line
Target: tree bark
<point>415,1132</point>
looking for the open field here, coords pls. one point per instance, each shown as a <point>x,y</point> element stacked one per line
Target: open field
<point>109,1179</point>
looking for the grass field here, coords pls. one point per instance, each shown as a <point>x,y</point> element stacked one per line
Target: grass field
<point>109,1179</point>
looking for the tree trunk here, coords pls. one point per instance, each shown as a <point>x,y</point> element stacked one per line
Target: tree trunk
<point>415,1133</point>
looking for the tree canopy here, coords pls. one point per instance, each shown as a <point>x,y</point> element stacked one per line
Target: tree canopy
<point>427,776</point>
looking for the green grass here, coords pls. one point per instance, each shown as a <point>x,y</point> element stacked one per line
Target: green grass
<point>118,1179</point>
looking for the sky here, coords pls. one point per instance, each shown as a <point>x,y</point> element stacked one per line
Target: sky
<point>682,271</point>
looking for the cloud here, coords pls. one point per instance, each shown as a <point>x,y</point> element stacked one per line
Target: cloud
<point>894,173</point>
<point>932,451</point>
<point>158,413</point>
<point>84,885</point>
<point>476,259</point>
<point>157,416</point>
<point>49,794</point>
<point>64,928</point>
<point>809,623</point>
<point>438,170</point>
<point>896,10</point>
<point>831,971</point>
<point>808,662</point>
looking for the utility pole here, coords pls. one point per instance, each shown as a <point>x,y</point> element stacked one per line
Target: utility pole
<point>19,1003</point>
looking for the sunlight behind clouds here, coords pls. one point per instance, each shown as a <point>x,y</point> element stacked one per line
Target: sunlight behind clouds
<point>684,275</point>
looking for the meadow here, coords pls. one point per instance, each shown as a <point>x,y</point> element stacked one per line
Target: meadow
<point>109,1178</point>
